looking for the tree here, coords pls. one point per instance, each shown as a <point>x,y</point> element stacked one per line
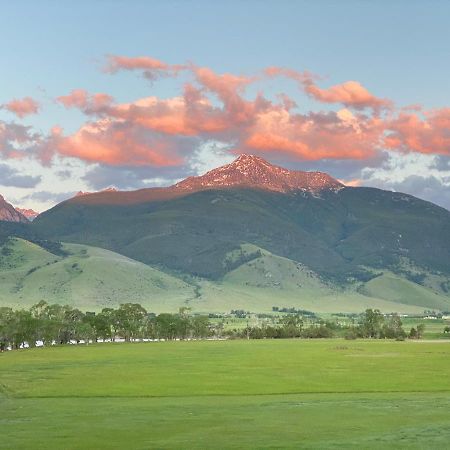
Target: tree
<point>393,328</point>
<point>200,326</point>
<point>371,323</point>
<point>291,326</point>
<point>102,326</point>
<point>420,330</point>
<point>131,318</point>
<point>183,323</point>
<point>6,327</point>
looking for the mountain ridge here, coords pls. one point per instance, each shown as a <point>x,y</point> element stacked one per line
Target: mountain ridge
<point>254,171</point>
<point>246,171</point>
<point>10,214</point>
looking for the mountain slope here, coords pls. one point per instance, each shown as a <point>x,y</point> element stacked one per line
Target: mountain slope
<point>9,213</point>
<point>333,234</point>
<point>345,236</point>
<point>91,279</point>
<point>88,278</point>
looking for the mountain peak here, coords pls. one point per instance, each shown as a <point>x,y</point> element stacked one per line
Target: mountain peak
<point>9,213</point>
<point>83,193</point>
<point>254,171</point>
<point>30,214</point>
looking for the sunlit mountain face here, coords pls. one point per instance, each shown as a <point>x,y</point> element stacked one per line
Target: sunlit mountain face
<point>9,213</point>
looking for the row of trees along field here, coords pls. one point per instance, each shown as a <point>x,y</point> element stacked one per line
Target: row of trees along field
<point>371,324</point>
<point>58,324</point>
<point>63,324</point>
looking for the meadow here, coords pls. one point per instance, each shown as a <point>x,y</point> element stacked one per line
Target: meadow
<point>227,394</point>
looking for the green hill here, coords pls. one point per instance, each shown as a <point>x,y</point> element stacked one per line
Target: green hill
<point>393,288</point>
<point>89,278</point>
<point>266,280</point>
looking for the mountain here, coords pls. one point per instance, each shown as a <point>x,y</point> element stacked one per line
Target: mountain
<point>251,171</point>
<point>248,235</point>
<point>83,193</point>
<point>246,172</point>
<point>9,213</point>
<point>342,233</point>
<point>30,214</point>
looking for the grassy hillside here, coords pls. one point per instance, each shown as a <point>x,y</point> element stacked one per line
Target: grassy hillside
<point>393,288</point>
<point>92,278</point>
<point>228,394</point>
<point>89,278</point>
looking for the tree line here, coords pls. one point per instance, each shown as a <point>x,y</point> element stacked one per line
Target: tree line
<point>370,324</point>
<point>62,324</point>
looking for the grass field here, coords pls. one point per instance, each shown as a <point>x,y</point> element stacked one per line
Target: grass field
<point>227,394</point>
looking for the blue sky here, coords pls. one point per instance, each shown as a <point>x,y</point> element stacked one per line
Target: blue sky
<point>398,50</point>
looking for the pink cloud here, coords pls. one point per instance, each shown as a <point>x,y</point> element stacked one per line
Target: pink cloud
<point>115,144</point>
<point>353,183</point>
<point>256,125</point>
<point>314,136</point>
<point>22,107</point>
<point>350,93</point>
<point>151,68</point>
<point>76,99</point>
<point>427,133</point>
<point>161,131</point>
<point>88,103</point>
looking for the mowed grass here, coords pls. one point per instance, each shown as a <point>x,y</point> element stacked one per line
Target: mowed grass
<point>227,394</point>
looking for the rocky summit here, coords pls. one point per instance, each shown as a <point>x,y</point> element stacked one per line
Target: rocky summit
<point>254,171</point>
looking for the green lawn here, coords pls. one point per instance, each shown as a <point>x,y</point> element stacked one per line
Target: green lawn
<point>227,394</point>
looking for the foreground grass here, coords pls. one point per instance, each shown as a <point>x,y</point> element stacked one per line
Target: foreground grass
<point>232,394</point>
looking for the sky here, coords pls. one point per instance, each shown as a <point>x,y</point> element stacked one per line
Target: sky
<point>133,94</point>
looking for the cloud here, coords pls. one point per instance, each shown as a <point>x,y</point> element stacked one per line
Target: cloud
<point>350,93</point>
<point>429,188</point>
<point>88,103</point>
<point>442,162</point>
<point>11,177</point>
<point>215,106</point>
<point>427,133</point>
<point>315,136</point>
<point>157,132</point>
<point>118,143</point>
<point>151,68</point>
<point>17,141</point>
<point>46,196</point>
<point>103,176</point>
<point>22,107</point>
<point>353,183</point>
<point>64,174</point>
